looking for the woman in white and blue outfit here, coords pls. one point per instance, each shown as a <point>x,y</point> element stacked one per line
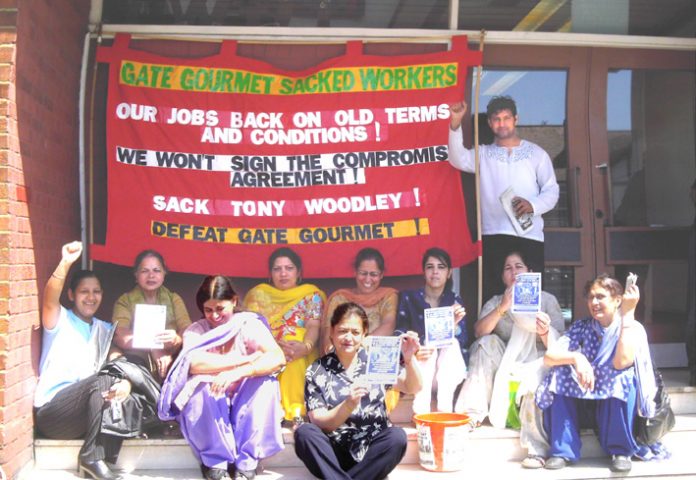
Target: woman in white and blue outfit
<point>70,396</point>
<point>602,376</point>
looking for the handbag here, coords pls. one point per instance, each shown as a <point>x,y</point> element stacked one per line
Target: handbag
<point>648,431</point>
<point>138,412</point>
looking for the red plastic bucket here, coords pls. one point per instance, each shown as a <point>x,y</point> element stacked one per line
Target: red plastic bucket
<point>442,439</point>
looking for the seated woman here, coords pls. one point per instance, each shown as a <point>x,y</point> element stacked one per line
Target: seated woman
<point>150,270</point>
<point>509,347</point>
<point>294,313</point>
<point>70,395</point>
<point>443,366</point>
<point>602,374</point>
<point>350,436</point>
<point>378,302</point>
<point>221,388</point>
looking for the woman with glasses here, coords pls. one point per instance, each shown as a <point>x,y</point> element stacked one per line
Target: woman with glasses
<point>293,310</point>
<point>222,390</point>
<point>378,302</point>
<point>601,377</point>
<point>150,270</point>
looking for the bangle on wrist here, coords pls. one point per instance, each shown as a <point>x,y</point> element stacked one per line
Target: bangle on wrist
<point>309,346</point>
<point>500,311</point>
<point>58,277</point>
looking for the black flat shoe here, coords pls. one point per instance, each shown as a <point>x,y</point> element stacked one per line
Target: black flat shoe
<point>216,474</point>
<point>97,470</point>
<point>620,463</point>
<point>244,475</point>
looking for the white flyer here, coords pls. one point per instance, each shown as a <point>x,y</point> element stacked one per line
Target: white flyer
<point>148,321</point>
<point>526,293</point>
<point>383,360</point>
<point>439,326</point>
<point>522,223</point>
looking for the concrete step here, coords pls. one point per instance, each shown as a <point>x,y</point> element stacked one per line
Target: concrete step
<point>484,444</point>
<point>682,396</point>
<point>488,443</point>
<point>676,380</point>
<point>680,466</point>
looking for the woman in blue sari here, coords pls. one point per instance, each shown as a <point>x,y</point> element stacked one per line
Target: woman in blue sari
<point>602,376</point>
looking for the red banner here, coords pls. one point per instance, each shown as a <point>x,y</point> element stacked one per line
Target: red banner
<point>217,161</point>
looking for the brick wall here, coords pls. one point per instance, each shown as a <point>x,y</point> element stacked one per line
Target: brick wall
<point>40,57</point>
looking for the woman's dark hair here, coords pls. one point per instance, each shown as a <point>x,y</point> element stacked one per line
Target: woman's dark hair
<point>519,254</point>
<point>80,275</point>
<point>608,283</point>
<point>149,253</point>
<point>367,254</point>
<point>347,309</point>
<point>288,253</point>
<point>441,255</point>
<point>215,287</point>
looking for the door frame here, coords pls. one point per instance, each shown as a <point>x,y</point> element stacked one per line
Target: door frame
<point>575,61</point>
<point>585,244</point>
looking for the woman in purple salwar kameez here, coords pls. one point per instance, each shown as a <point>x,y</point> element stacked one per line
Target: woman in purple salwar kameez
<point>221,388</point>
<point>602,377</point>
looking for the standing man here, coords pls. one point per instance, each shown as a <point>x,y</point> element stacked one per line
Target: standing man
<point>509,162</point>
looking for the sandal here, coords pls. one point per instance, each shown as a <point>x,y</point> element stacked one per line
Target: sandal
<point>533,461</point>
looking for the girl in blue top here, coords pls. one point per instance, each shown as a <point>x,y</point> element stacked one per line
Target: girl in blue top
<point>444,366</point>
<point>70,396</point>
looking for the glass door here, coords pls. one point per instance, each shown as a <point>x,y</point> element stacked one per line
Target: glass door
<point>619,126</point>
<point>642,140</point>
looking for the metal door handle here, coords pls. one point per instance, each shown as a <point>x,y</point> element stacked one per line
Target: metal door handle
<point>602,166</point>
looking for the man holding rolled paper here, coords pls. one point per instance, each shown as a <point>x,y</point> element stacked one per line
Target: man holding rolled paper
<point>518,185</point>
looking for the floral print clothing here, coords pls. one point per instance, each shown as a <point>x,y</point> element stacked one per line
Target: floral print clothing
<point>327,384</point>
<point>308,308</point>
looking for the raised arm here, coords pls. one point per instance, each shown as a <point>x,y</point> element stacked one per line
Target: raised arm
<point>632,332</point>
<point>491,313</point>
<point>410,380</point>
<point>459,157</point>
<point>50,311</point>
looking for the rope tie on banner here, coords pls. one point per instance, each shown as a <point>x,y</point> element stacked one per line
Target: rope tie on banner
<point>482,38</point>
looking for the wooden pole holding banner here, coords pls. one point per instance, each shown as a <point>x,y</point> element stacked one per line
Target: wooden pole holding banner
<point>90,198</point>
<point>482,38</point>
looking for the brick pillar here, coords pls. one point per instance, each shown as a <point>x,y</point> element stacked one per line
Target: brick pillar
<point>18,300</point>
<point>40,59</point>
